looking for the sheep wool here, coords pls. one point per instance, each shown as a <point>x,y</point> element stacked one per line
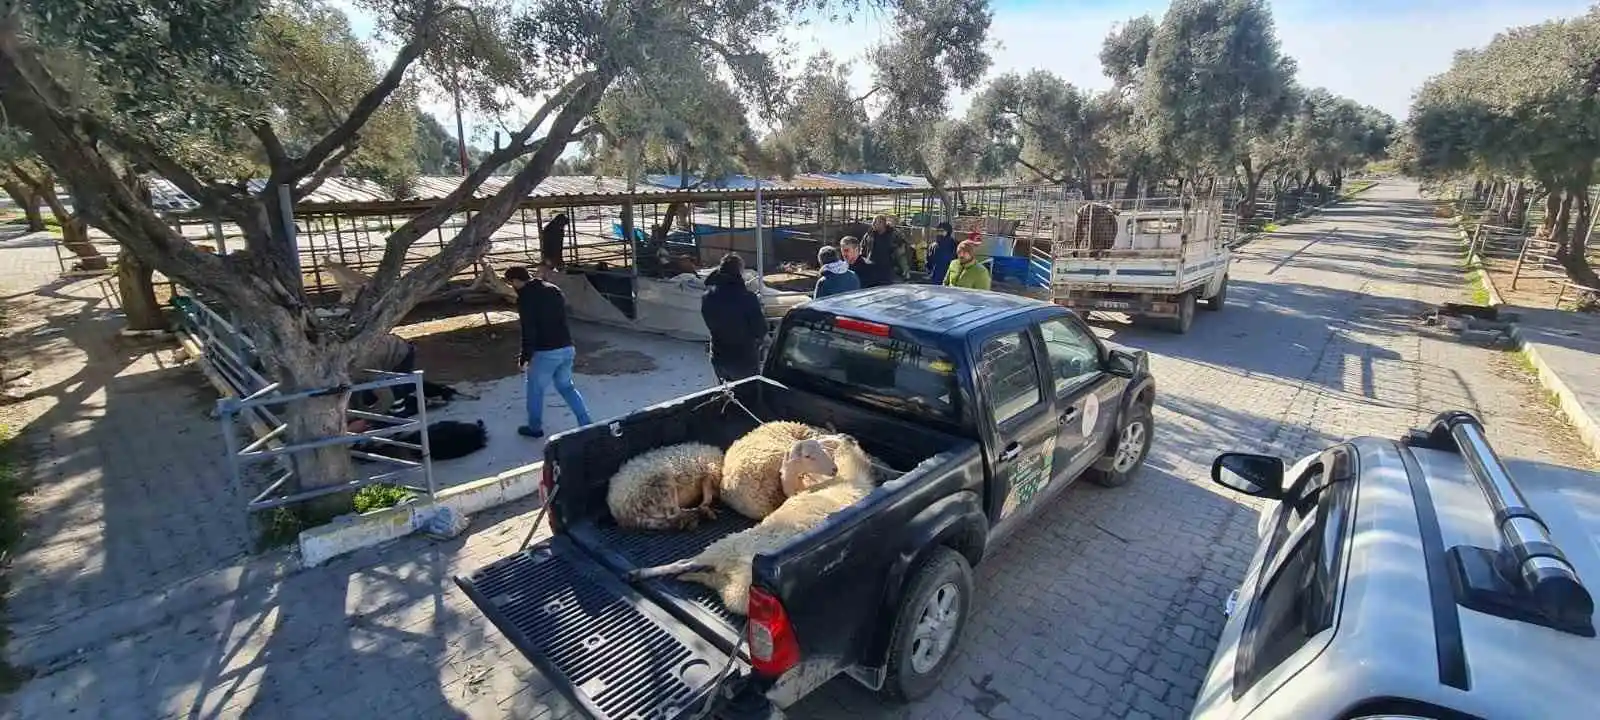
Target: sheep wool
<point>724,566</point>
<point>668,488</point>
<point>752,483</point>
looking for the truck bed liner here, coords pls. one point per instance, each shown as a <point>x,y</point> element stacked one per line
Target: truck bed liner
<point>620,654</point>
<point>625,550</point>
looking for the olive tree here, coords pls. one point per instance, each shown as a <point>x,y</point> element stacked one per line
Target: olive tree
<point>1524,106</point>
<point>1212,79</point>
<point>187,85</point>
<point>1046,126</point>
<point>936,47</point>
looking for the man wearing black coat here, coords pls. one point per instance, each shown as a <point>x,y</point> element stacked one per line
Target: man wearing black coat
<point>734,317</point>
<point>547,351</point>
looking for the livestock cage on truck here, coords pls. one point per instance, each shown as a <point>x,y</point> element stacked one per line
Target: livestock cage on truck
<point>1155,257</point>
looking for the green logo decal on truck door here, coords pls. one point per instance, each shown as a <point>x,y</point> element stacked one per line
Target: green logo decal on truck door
<point>1032,475</point>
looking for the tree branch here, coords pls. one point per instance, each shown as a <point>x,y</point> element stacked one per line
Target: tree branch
<point>299,192</point>
<point>277,158</point>
<point>369,103</point>
<point>517,145</point>
<point>393,300</point>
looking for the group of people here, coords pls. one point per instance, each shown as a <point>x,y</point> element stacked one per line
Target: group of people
<point>882,257</point>
<point>732,312</point>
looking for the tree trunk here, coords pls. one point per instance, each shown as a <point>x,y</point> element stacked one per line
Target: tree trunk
<point>305,365</point>
<point>27,201</point>
<point>1132,187</point>
<point>135,283</point>
<point>946,203</point>
<point>1570,230</point>
<point>75,237</point>
<point>1517,206</point>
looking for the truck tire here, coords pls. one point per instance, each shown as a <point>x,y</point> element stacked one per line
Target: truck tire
<point>1185,318</point>
<point>1128,451</point>
<point>928,626</point>
<point>1215,302</point>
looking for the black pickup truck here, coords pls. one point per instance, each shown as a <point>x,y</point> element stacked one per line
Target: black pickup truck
<point>986,405</point>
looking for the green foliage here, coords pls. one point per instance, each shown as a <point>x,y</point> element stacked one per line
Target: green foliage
<point>1523,106</point>
<point>1214,78</point>
<point>938,46</point>
<point>380,496</point>
<point>1042,123</point>
<point>824,125</point>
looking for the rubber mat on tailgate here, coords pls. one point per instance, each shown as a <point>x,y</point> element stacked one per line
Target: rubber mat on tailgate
<point>639,549</point>
<point>618,654</point>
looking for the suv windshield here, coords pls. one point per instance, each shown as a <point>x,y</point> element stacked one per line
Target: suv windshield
<point>891,372</point>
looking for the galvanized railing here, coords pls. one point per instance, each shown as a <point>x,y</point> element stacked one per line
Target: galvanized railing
<point>259,403</point>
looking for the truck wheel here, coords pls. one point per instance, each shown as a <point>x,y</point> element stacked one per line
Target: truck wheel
<point>1185,318</point>
<point>1128,451</point>
<point>932,615</point>
<point>1215,302</point>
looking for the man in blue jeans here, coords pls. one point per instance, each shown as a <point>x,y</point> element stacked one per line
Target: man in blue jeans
<point>547,350</point>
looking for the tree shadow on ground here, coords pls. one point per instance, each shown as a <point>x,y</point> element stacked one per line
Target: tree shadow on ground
<point>1103,586</point>
<point>125,492</point>
<point>380,633</point>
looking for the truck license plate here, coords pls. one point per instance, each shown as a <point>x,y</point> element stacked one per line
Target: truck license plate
<point>1112,305</point>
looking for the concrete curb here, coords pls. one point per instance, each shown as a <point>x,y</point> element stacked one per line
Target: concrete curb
<point>1588,426</point>
<point>325,542</point>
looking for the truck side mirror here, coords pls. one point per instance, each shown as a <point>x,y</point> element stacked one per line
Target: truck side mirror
<point>1122,363</point>
<point>1255,475</point>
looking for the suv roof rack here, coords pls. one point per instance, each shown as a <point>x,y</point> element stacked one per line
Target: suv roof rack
<point>1529,579</point>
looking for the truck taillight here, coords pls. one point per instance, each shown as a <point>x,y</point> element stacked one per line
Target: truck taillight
<point>773,647</point>
<point>547,482</point>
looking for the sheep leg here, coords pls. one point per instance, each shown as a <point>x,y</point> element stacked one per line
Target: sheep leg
<point>671,570</point>
<point>709,485</point>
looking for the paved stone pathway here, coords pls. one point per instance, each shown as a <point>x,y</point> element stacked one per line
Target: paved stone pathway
<point>1107,607</point>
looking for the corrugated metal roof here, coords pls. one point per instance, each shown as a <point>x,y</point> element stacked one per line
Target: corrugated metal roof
<point>340,190</point>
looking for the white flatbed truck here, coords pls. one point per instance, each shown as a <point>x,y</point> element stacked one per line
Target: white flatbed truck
<point>1145,258</point>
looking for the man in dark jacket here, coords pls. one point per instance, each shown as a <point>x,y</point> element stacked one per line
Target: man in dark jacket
<point>883,258</point>
<point>547,351</point>
<point>836,276</point>
<point>941,254</point>
<point>734,317</point>
<point>551,239</point>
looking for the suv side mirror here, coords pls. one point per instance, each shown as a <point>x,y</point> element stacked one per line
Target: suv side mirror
<point>1122,363</point>
<point>1256,475</point>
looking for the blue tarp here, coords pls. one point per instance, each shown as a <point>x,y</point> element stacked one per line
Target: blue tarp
<point>730,182</point>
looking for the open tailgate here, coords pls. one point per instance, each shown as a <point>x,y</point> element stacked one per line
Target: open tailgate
<point>613,651</point>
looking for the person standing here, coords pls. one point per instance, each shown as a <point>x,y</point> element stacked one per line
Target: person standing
<point>941,253</point>
<point>547,351</point>
<point>883,258</point>
<point>966,271</point>
<point>837,277</point>
<point>734,317</point>
<point>551,239</point>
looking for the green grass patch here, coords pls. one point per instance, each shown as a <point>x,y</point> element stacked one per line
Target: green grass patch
<point>10,534</point>
<point>380,496</point>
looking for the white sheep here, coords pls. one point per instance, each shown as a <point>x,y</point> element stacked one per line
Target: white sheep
<point>751,482</point>
<point>835,473</point>
<point>668,488</point>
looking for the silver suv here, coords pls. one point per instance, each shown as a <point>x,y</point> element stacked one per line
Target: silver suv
<point>1412,579</point>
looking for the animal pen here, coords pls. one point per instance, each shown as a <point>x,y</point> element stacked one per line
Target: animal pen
<point>636,255</point>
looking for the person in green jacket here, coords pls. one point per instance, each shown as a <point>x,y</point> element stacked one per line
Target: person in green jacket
<point>966,271</point>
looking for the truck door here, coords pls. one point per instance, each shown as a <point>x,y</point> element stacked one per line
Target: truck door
<point>1086,397</point>
<point>1014,401</point>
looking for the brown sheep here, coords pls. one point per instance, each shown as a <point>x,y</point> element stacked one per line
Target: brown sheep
<point>668,488</point>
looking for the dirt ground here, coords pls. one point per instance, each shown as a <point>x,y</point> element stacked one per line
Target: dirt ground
<point>483,346</point>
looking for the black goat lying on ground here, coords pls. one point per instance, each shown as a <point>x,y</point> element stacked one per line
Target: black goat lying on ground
<point>436,395</point>
<point>447,440</point>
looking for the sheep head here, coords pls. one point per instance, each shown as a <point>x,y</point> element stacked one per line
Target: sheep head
<point>807,463</point>
<point>849,460</point>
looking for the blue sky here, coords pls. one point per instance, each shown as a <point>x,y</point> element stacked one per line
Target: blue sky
<point>1374,51</point>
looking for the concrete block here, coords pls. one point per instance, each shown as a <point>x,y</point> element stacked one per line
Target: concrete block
<point>323,543</point>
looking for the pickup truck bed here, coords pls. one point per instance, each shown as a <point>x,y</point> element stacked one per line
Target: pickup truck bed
<point>646,650</point>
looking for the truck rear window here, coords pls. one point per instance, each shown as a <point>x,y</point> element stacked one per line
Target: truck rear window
<point>850,361</point>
